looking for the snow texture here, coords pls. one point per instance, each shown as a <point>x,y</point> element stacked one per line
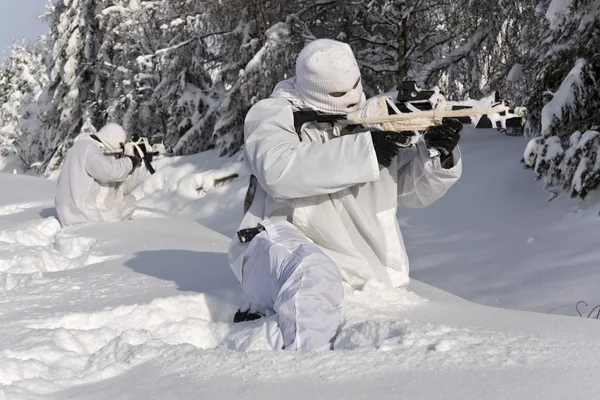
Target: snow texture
<point>143,308</point>
<point>557,11</point>
<point>515,74</point>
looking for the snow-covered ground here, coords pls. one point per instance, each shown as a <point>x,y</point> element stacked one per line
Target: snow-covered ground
<point>494,239</point>
<point>142,309</point>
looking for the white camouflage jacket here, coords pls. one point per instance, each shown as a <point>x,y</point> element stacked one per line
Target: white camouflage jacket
<point>92,186</point>
<point>332,188</point>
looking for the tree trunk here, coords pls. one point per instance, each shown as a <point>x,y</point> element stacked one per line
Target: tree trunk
<point>402,70</point>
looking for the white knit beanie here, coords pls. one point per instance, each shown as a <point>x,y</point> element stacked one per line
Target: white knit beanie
<point>326,66</point>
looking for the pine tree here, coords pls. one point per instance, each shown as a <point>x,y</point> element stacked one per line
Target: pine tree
<point>22,80</point>
<point>563,104</point>
<point>189,71</point>
<point>75,37</point>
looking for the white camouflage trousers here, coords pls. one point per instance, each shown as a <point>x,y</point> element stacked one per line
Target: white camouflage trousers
<point>297,283</point>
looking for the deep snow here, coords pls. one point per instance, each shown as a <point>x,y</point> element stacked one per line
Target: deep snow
<point>142,309</point>
<point>494,239</point>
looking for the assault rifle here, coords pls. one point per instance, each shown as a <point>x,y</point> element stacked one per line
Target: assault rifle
<point>415,110</point>
<point>511,118</point>
<point>141,147</point>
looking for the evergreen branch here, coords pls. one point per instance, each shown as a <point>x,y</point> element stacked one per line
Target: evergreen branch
<point>458,54</point>
<point>300,13</point>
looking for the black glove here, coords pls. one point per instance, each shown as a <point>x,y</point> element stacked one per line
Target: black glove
<point>387,144</point>
<point>444,137</point>
<point>135,161</point>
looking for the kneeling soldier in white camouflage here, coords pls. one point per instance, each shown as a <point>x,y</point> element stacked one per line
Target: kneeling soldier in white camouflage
<point>96,179</point>
<point>321,220</point>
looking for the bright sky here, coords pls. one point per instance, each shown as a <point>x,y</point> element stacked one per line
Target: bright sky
<point>18,21</point>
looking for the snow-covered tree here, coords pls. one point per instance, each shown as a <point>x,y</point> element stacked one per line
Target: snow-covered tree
<point>155,50</point>
<point>274,60</point>
<point>74,39</point>
<point>565,97</point>
<point>189,71</point>
<point>252,46</point>
<point>22,80</point>
<point>431,41</point>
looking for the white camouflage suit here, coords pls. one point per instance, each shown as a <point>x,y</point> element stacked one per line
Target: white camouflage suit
<point>93,186</point>
<point>329,210</point>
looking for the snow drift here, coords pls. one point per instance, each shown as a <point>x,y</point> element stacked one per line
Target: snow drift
<point>143,308</point>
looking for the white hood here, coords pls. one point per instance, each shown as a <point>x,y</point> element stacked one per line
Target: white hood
<point>112,137</point>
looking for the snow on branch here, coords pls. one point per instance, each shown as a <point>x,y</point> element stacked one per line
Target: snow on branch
<point>458,54</point>
<point>161,52</point>
<point>564,99</point>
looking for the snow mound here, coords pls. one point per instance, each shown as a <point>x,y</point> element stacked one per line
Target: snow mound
<point>205,187</point>
<point>29,250</point>
<point>46,360</point>
<point>32,234</point>
<point>422,343</point>
<point>375,319</point>
<point>10,281</point>
<point>88,347</point>
<point>17,208</point>
<point>40,247</point>
<point>151,317</point>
